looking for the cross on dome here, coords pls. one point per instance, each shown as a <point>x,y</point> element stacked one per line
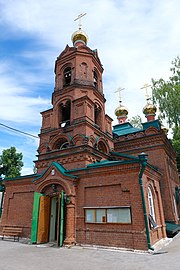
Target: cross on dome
<point>119,90</point>
<point>79,37</point>
<point>146,86</point>
<point>79,18</point>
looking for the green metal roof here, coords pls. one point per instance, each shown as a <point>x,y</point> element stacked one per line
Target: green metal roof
<point>172,228</point>
<point>60,168</point>
<point>105,163</point>
<point>21,177</point>
<point>127,128</point>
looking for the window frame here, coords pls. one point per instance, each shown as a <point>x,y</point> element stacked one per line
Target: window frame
<point>151,203</point>
<point>67,76</point>
<point>105,221</point>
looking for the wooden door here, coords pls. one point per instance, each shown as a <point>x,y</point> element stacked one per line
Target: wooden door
<point>43,220</point>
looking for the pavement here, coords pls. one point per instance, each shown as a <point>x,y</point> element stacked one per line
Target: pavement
<point>21,255</point>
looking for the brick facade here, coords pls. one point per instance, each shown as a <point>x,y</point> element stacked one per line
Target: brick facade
<point>103,178</point>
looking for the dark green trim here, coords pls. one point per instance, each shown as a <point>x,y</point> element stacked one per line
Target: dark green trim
<point>21,177</point>
<point>103,164</point>
<point>123,155</point>
<point>107,163</point>
<point>143,160</point>
<point>61,235</point>
<point>60,168</point>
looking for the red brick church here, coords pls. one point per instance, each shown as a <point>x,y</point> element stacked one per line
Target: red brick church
<point>94,185</point>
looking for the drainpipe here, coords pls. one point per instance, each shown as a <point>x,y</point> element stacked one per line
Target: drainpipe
<point>2,189</point>
<point>2,200</point>
<point>143,161</point>
<point>62,220</point>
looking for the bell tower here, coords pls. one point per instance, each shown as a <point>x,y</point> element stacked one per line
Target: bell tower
<point>76,131</point>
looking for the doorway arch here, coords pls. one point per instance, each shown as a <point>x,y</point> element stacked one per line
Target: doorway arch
<point>54,205</point>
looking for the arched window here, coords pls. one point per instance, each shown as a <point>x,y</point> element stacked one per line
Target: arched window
<point>102,147</point>
<point>61,144</point>
<point>65,110</point>
<point>67,76</point>
<point>95,79</point>
<point>152,218</point>
<point>97,115</point>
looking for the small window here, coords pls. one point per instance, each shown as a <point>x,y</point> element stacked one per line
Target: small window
<point>95,79</point>
<point>152,219</point>
<point>67,76</point>
<point>97,115</point>
<point>151,203</point>
<point>90,216</point>
<point>102,147</point>
<point>65,111</point>
<point>108,215</point>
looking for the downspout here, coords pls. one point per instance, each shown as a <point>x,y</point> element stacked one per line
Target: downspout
<point>2,189</point>
<point>143,161</point>
<point>62,220</point>
<point>2,200</point>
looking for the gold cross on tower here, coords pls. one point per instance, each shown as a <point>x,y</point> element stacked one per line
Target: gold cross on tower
<point>119,90</point>
<point>146,86</point>
<point>79,18</point>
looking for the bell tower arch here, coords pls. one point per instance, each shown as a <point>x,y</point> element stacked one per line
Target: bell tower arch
<point>78,108</point>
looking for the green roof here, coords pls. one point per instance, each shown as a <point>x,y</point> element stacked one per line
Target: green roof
<point>21,177</point>
<point>172,228</point>
<point>60,168</point>
<point>127,128</point>
<point>105,163</point>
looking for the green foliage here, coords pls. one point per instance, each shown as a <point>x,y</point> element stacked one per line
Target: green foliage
<point>166,94</point>
<point>11,162</point>
<point>136,121</point>
<point>176,145</point>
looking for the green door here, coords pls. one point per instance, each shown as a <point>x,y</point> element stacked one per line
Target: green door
<point>35,216</point>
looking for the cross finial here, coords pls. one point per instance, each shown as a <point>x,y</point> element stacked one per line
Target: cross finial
<point>79,18</point>
<point>119,90</point>
<point>146,86</point>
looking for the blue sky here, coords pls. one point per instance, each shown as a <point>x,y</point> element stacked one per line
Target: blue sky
<point>136,41</point>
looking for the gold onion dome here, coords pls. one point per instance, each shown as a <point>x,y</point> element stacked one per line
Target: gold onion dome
<point>79,36</point>
<point>149,109</point>
<point>121,110</point>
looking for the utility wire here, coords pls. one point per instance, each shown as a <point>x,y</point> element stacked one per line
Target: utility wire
<point>17,130</point>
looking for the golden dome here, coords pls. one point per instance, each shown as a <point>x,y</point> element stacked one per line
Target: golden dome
<point>165,130</point>
<point>121,111</point>
<point>79,36</point>
<point>149,109</point>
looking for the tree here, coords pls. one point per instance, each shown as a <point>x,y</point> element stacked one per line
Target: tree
<point>136,121</point>
<point>176,145</point>
<point>11,163</point>
<point>167,96</point>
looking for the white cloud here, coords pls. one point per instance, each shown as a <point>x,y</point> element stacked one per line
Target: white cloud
<point>136,41</point>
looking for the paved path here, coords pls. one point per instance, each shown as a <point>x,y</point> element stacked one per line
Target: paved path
<point>19,256</point>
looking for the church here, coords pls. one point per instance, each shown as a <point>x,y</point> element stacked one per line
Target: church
<point>95,184</point>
